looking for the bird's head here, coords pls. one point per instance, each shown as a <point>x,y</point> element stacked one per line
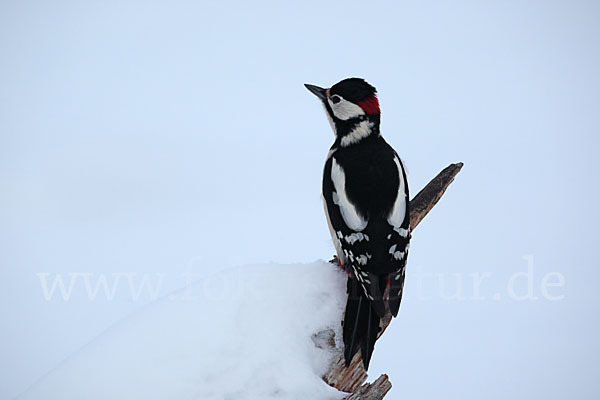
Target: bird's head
<point>350,104</point>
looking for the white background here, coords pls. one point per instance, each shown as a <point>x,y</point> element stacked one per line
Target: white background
<point>164,138</point>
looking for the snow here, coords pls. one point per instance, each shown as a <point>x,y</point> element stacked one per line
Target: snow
<point>240,334</point>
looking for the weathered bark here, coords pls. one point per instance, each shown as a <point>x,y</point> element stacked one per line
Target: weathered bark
<point>372,391</point>
<point>428,197</point>
<point>352,379</point>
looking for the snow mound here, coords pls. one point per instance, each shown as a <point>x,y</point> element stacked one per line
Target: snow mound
<point>242,334</point>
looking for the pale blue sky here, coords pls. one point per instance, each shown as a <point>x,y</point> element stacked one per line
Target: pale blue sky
<point>151,137</point>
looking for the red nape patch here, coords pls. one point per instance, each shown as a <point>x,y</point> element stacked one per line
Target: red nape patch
<point>370,105</point>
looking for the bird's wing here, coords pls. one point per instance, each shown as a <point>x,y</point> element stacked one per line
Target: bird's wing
<point>349,232</point>
<point>365,304</point>
<point>399,222</point>
<point>372,247</point>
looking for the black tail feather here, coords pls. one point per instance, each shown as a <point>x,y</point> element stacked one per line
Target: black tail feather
<point>371,336</point>
<point>351,323</point>
<point>396,288</point>
<point>361,325</point>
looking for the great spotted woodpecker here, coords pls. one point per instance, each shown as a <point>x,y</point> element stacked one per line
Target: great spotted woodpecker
<point>365,194</point>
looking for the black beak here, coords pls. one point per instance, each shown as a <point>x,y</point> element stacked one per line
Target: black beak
<point>317,91</point>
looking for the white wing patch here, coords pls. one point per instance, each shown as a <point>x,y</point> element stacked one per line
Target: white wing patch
<point>356,236</point>
<point>363,259</point>
<point>350,214</point>
<point>396,217</point>
<point>330,153</point>
<point>335,236</point>
<point>401,231</point>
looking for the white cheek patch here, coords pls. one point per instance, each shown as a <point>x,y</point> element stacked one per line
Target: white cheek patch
<point>396,217</point>
<point>350,214</point>
<point>345,109</point>
<point>362,130</point>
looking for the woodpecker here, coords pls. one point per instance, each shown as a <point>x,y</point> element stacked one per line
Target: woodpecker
<point>365,196</point>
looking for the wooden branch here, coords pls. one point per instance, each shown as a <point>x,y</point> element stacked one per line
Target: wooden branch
<point>428,197</point>
<point>352,379</point>
<point>372,391</point>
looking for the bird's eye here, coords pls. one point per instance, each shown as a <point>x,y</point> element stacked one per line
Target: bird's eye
<point>335,99</point>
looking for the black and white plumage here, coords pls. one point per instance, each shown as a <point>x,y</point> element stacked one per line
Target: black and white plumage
<point>366,201</point>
